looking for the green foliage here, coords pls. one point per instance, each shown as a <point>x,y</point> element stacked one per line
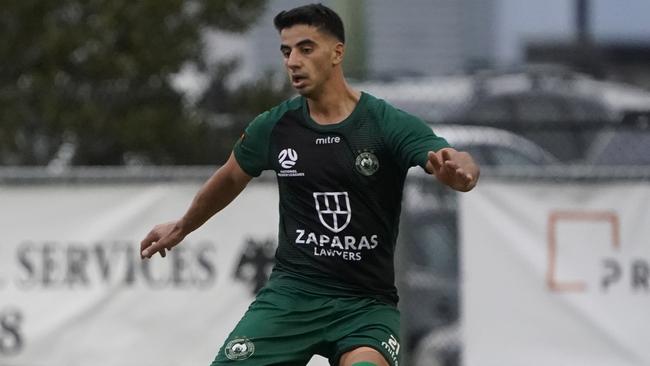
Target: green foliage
<point>97,73</point>
<point>228,111</point>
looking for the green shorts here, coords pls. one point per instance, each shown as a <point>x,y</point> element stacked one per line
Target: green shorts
<point>287,326</point>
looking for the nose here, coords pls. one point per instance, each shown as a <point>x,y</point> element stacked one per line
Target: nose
<point>293,61</point>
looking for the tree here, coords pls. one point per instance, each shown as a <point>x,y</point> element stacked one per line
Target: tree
<point>229,110</point>
<point>96,74</point>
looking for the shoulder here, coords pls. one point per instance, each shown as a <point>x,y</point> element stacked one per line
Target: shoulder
<point>385,112</point>
<point>251,150</point>
<point>270,117</point>
<point>260,128</point>
<point>390,118</point>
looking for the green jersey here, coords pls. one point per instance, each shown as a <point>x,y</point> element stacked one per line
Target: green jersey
<point>340,191</point>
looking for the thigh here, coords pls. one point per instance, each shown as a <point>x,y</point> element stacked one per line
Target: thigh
<point>374,325</point>
<point>270,333</point>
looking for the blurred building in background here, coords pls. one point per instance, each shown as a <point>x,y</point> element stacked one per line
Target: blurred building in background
<point>441,37</point>
<point>388,39</point>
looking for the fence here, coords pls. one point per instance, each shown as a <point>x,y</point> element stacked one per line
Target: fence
<point>429,266</point>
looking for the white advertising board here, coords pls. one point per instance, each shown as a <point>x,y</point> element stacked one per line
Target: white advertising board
<point>556,274</point>
<point>74,291</point>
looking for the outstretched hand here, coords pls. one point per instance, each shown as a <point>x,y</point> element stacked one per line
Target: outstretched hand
<point>454,168</point>
<point>161,238</point>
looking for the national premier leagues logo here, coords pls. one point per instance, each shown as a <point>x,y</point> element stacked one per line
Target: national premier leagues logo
<point>287,158</point>
<point>367,163</point>
<point>239,349</point>
<point>333,209</point>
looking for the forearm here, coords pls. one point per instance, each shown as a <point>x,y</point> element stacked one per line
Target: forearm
<point>217,192</point>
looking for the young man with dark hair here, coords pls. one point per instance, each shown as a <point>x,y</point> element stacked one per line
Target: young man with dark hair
<point>341,158</point>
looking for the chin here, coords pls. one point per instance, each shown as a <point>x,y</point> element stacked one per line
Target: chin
<point>305,92</point>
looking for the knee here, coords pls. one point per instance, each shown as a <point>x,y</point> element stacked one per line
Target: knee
<point>363,356</point>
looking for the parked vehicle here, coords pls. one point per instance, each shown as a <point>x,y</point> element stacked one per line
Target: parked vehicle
<point>627,145</point>
<point>558,109</point>
<point>495,147</point>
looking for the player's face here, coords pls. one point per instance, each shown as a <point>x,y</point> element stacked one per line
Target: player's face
<point>309,56</point>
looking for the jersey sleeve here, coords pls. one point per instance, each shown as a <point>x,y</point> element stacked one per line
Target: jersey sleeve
<point>252,148</point>
<point>410,138</point>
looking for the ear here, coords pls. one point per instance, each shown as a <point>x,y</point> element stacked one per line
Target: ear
<point>337,53</point>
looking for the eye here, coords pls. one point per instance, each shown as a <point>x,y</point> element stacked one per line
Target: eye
<point>306,50</point>
<point>285,53</point>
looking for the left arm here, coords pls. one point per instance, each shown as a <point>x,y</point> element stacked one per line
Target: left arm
<point>454,168</point>
<point>413,142</point>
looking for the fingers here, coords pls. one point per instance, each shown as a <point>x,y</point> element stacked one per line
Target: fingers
<point>453,168</point>
<point>146,243</point>
<point>152,237</point>
<point>464,178</point>
<point>453,163</point>
<point>442,160</point>
<point>460,173</point>
<point>463,181</point>
<point>152,248</point>
<point>434,162</point>
<point>159,240</point>
<point>446,155</point>
<point>151,244</point>
<point>147,249</point>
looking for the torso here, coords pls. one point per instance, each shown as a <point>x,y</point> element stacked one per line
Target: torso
<point>340,195</point>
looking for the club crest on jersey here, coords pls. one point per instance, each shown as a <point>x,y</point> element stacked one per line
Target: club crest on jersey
<point>239,349</point>
<point>287,158</point>
<point>367,163</point>
<point>334,210</point>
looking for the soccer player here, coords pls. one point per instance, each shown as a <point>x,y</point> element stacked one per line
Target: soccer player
<point>340,157</point>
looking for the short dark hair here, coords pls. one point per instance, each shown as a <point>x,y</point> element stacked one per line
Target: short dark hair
<point>316,15</point>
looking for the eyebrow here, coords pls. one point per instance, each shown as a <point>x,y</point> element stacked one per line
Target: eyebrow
<point>303,42</point>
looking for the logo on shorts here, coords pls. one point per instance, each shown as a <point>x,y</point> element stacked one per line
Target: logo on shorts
<point>287,158</point>
<point>367,163</point>
<point>239,349</point>
<point>391,345</point>
<point>334,210</point>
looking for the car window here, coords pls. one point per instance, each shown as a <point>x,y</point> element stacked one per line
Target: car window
<point>625,147</point>
<point>489,110</point>
<point>586,110</point>
<point>494,155</point>
<point>539,108</point>
<point>503,156</point>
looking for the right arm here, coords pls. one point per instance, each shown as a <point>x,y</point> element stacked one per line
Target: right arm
<point>217,192</point>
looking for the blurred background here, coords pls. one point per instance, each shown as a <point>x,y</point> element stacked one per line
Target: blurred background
<point>114,93</point>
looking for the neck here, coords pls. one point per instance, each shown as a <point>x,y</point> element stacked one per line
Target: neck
<point>334,104</point>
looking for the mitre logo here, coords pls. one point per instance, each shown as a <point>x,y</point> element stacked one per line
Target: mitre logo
<point>287,158</point>
<point>328,140</point>
<point>334,210</point>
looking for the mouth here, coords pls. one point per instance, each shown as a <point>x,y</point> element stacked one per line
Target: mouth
<point>298,81</point>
